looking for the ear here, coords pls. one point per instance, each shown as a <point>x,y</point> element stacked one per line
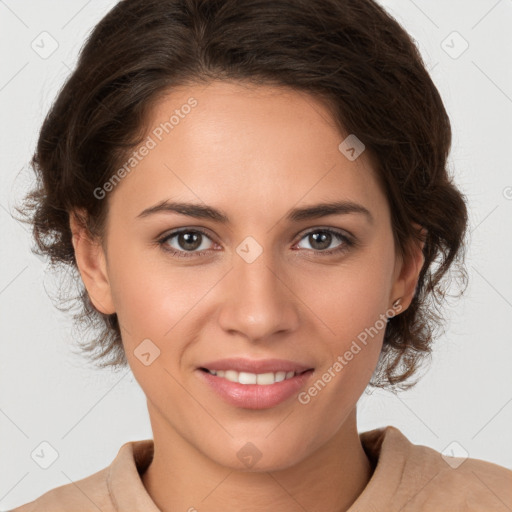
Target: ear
<point>407,271</point>
<point>91,263</point>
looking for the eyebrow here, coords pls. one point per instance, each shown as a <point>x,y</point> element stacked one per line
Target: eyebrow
<point>200,211</point>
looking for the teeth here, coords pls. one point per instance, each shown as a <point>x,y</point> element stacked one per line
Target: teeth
<point>253,378</point>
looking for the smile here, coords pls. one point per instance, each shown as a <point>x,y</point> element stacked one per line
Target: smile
<point>248,390</point>
<point>264,379</point>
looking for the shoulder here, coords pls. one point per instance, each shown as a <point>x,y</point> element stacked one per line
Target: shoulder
<point>85,495</point>
<point>477,484</point>
<point>116,487</point>
<point>420,478</point>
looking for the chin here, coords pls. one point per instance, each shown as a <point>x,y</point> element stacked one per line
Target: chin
<point>257,456</point>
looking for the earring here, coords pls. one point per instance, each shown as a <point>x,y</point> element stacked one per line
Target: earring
<point>397,302</point>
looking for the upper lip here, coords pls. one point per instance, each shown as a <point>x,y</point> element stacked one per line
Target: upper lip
<point>240,364</point>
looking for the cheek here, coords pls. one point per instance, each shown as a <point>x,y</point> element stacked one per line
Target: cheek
<point>353,309</point>
<point>154,298</point>
<point>351,304</point>
<point>352,298</point>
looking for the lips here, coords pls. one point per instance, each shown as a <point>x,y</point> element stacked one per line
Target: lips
<point>279,380</point>
<point>255,396</point>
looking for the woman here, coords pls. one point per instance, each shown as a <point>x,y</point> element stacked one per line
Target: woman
<point>255,196</point>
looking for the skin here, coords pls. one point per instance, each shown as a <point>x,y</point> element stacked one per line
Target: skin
<point>254,152</point>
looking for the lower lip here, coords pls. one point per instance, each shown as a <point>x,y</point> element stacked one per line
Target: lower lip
<point>255,396</point>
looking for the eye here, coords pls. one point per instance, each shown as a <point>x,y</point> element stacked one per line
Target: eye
<point>187,241</point>
<point>322,238</point>
<point>191,242</point>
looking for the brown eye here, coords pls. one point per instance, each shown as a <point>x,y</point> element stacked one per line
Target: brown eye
<point>321,239</point>
<point>186,241</point>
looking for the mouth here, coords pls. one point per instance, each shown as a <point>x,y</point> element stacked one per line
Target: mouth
<point>262,379</point>
<point>259,389</point>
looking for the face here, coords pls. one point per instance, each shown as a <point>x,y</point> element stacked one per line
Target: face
<point>252,280</point>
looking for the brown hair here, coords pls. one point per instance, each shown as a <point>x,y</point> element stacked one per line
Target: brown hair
<point>351,54</point>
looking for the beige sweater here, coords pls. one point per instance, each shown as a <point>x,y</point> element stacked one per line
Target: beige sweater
<point>407,478</point>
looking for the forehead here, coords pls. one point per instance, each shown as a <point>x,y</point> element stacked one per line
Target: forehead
<point>246,147</point>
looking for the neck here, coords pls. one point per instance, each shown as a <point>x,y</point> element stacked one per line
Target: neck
<point>331,478</point>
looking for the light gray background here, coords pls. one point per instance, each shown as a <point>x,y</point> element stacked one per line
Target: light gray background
<point>48,394</point>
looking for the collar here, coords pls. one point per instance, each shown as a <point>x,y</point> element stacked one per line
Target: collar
<point>386,447</point>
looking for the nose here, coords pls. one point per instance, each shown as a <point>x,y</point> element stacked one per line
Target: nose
<point>258,300</point>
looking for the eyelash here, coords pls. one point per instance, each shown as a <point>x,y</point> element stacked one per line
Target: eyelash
<point>344,247</point>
